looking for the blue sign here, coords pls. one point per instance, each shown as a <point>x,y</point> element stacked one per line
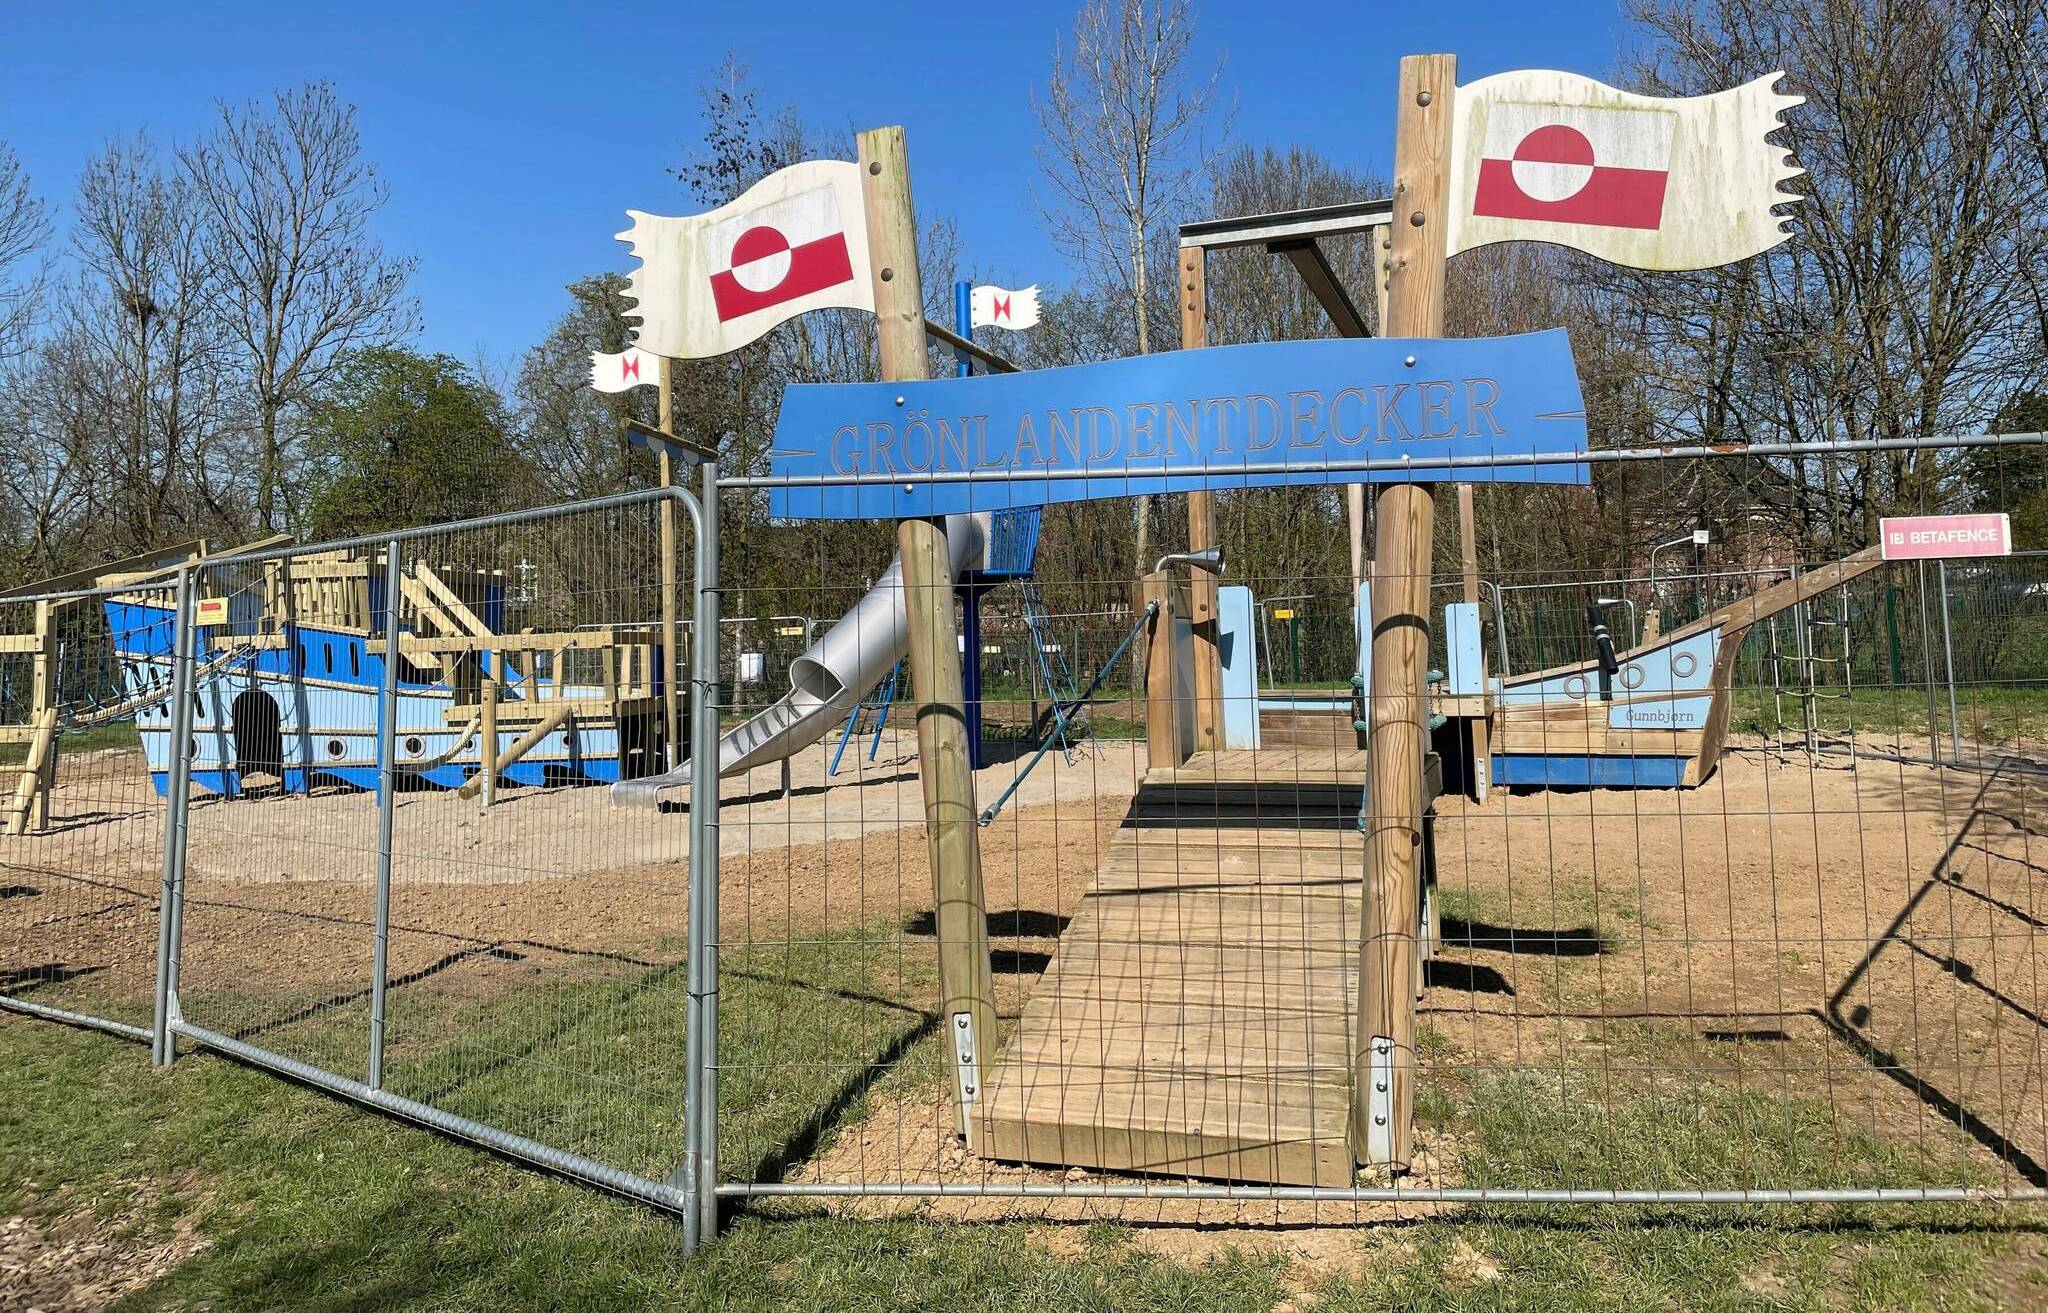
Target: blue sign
<point>1246,416</point>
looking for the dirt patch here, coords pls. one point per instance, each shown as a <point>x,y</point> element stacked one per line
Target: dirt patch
<point>83,1258</point>
<point>1871,941</point>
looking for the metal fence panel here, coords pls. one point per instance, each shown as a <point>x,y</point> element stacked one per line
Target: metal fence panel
<point>82,687</point>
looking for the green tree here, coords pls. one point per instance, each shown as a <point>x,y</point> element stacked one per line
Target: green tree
<point>2014,479</point>
<point>403,439</point>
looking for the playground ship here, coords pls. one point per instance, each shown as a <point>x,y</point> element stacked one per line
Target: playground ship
<point>288,676</point>
<point>289,670</point>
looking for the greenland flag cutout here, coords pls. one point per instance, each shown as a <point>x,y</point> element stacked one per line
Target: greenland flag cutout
<point>999,307</point>
<point>622,371</point>
<point>1643,181</point>
<point>711,283</point>
<point>1603,167</point>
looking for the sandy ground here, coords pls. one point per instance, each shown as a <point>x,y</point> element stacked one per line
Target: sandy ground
<point>1868,939</point>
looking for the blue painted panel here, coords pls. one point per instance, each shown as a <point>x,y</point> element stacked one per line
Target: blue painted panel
<point>1013,543</point>
<point>1461,650</point>
<point>1240,658</point>
<point>1564,770</point>
<point>1135,421</point>
<point>1668,687</point>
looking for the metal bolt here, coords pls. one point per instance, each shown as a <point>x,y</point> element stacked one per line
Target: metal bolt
<point>1415,220</point>
<point>875,167</point>
<point>889,275</point>
<point>1379,1119</point>
<point>899,399</point>
<point>1423,98</point>
<point>1409,361</point>
<point>910,488</point>
<point>1380,1085</point>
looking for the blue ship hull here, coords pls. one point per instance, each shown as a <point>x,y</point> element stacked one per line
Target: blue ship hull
<point>306,713</point>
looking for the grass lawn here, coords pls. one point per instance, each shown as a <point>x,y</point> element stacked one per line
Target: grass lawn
<point>121,734</point>
<point>1990,715</point>
<point>235,1190</point>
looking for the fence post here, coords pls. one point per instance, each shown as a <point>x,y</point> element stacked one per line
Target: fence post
<point>387,791</point>
<point>699,1171</point>
<point>1891,624</point>
<point>1927,669</point>
<point>162,1044</point>
<point>1948,663</point>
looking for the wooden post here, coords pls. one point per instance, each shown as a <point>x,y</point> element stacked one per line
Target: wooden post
<point>45,696</point>
<point>1203,606</point>
<point>1478,734</point>
<point>1383,1087</point>
<point>671,713</point>
<point>1164,744</point>
<point>487,741</point>
<point>966,983</point>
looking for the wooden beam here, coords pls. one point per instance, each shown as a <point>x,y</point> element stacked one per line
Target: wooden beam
<point>463,620</point>
<point>487,747</point>
<point>1383,1085</point>
<point>1306,255</point>
<point>946,337</point>
<point>522,745</point>
<point>144,563</point>
<point>1204,607</point>
<point>29,786</point>
<point>966,982</point>
<point>1476,729</point>
<point>1164,744</point>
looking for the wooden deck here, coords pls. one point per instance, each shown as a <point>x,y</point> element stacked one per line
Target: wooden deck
<point>1197,1019</point>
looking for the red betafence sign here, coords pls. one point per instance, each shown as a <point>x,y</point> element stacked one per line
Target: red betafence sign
<point>1926,537</point>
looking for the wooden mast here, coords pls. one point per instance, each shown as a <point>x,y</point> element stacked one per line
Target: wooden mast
<point>1383,1081</point>
<point>966,983</point>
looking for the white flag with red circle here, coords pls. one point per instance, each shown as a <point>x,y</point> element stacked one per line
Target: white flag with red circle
<point>711,283</point>
<point>1643,181</point>
<point>999,307</point>
<point>621,371</point>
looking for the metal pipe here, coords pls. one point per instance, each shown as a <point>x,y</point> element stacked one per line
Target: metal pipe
<point>48,1013</point>
<point>387,803</point>
<point>1380,1194</point>
<point>1948,659</point>
<point>1426,469</point>
<point>698,1171</point>
<point>516,1146</point>
<point>178,804</point>
<point>160,1015</point>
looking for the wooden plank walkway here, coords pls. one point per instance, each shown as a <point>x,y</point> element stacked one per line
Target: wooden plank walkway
<point>1197,1019</point>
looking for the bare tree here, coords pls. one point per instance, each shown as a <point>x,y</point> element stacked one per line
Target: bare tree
<point>1123,150</point>
<point>133,370</point>
<point>288,196</point>
<point>24,227</point>
<point>1905,303</point>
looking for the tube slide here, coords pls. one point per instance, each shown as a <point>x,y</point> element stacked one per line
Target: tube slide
<point>831,676</point>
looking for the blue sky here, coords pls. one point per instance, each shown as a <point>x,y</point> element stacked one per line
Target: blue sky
<point>514,136</point>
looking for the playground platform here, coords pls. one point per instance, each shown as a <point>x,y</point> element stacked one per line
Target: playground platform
<point>1197,1019</point>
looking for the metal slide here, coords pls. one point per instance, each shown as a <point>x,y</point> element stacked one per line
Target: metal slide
<point>829,678</point>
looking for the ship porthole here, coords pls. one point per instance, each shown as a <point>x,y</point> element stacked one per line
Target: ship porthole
<point>1575,687</point>
<point>1632,677</point>
<point>334,748</point>
<point>1684,664</point>
<point>413,746</point>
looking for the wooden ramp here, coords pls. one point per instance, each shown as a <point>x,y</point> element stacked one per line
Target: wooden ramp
<point>1197,1019</point>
